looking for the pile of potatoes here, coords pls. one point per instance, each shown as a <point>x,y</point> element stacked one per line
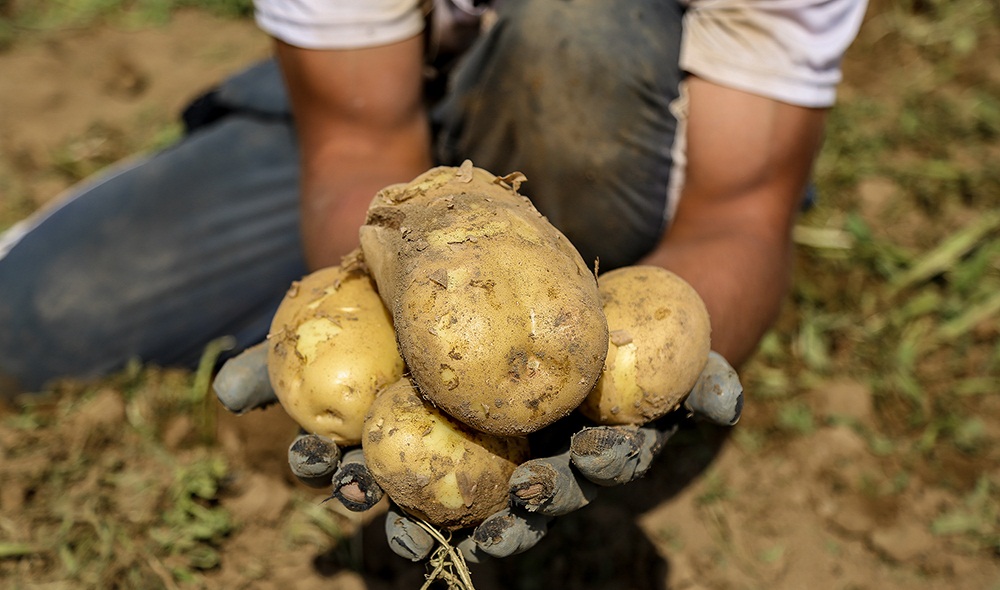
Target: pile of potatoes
<point>466,322</point>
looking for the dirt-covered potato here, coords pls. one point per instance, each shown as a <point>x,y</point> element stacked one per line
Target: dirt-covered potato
<point>433,466</point>
<point>660,337</point>
<point>331,349</point>
<point>497,315</point>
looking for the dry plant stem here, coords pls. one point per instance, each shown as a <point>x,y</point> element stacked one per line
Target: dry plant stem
<point>204,416</point>
<point>448,563</point>
<point>354,485</point>
<point>313,459</point>
<point>550,486</point>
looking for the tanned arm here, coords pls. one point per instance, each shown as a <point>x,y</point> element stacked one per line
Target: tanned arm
<point>749,159</point>
<point>362,126</point>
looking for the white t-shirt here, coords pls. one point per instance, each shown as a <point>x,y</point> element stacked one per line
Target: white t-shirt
<point>789,50</point>
<point>339,24</point>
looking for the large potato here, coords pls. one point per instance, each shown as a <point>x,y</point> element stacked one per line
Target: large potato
<point>497,315</point>
<point>331,349</point>
<point>660,337</point>
<point>433,466</point>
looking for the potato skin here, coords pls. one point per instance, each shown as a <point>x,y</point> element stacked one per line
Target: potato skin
<point>433,466</point>
<point>331,349</point>
<point>498,317</point>
<point>660,337</point>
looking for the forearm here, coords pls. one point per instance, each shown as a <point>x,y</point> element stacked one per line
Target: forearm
<point>742,278</point>
<point>339,179</point>
<point>362,126</point>
<point>749,159</point>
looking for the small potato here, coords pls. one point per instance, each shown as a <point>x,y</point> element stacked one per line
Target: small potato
<point>331,349</point>
<point>497,315</point>
<point>660,337</point>
<point>433,466</point>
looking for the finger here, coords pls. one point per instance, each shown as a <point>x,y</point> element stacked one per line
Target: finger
<point>470,550</point>
<point>510,532</point>
<point>406,538</point>
<point>242,383</point>
<point>313,459</point>
<point>717,396</point>
<point>613,455</point>
<point>354,485</point>
<point>549,486</point>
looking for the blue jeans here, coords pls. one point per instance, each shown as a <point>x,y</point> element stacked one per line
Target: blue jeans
<point>159,256</point>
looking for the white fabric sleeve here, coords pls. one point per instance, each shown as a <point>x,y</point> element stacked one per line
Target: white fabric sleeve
<point>788,50</point>
<point>339,24</point>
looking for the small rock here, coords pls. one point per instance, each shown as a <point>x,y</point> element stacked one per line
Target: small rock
<point>126,81</point>
<point>902,543</point>
<point>833,449</point>
<point>262,501</point>
<point>851,520</point>
<point>845,399</point>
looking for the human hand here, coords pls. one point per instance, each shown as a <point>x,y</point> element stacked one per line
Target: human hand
<point>571,477</point>
<point>540,489</point>
<point>242,384</point>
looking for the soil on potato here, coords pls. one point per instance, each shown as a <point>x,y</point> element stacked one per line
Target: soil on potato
<point>142,481</point>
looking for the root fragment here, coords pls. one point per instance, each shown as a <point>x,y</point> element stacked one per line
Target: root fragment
<point>447,563</point>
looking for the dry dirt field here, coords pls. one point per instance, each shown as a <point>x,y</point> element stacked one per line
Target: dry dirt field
<point>868,456</point>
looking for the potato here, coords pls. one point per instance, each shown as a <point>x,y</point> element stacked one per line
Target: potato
<point>331,349</point>
<point>497,315</point>
<point>433,466</point>
<point>660,337</point>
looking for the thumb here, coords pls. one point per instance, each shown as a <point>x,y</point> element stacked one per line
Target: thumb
<point>242,383</point>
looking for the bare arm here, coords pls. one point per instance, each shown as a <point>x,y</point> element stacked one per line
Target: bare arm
<point>749,159</point>
<point>362,125</point>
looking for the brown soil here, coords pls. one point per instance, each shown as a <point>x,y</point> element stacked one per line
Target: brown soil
<point>89,472</point>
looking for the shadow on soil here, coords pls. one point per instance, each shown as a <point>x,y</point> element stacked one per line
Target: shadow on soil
<point>600,547</point>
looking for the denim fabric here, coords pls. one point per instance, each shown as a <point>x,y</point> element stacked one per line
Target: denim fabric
<point>156,258</point>
<point>164,254</point>
<point>576,95</point>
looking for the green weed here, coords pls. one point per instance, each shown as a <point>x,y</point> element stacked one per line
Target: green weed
<point>977,519</point>
<point>772,554</point>
<point>195,525</point>
<point>46,15</point>
<point>796,418</point>
<point>716,489</point>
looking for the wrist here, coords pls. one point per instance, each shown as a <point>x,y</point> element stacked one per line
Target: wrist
<point>339,181</point>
